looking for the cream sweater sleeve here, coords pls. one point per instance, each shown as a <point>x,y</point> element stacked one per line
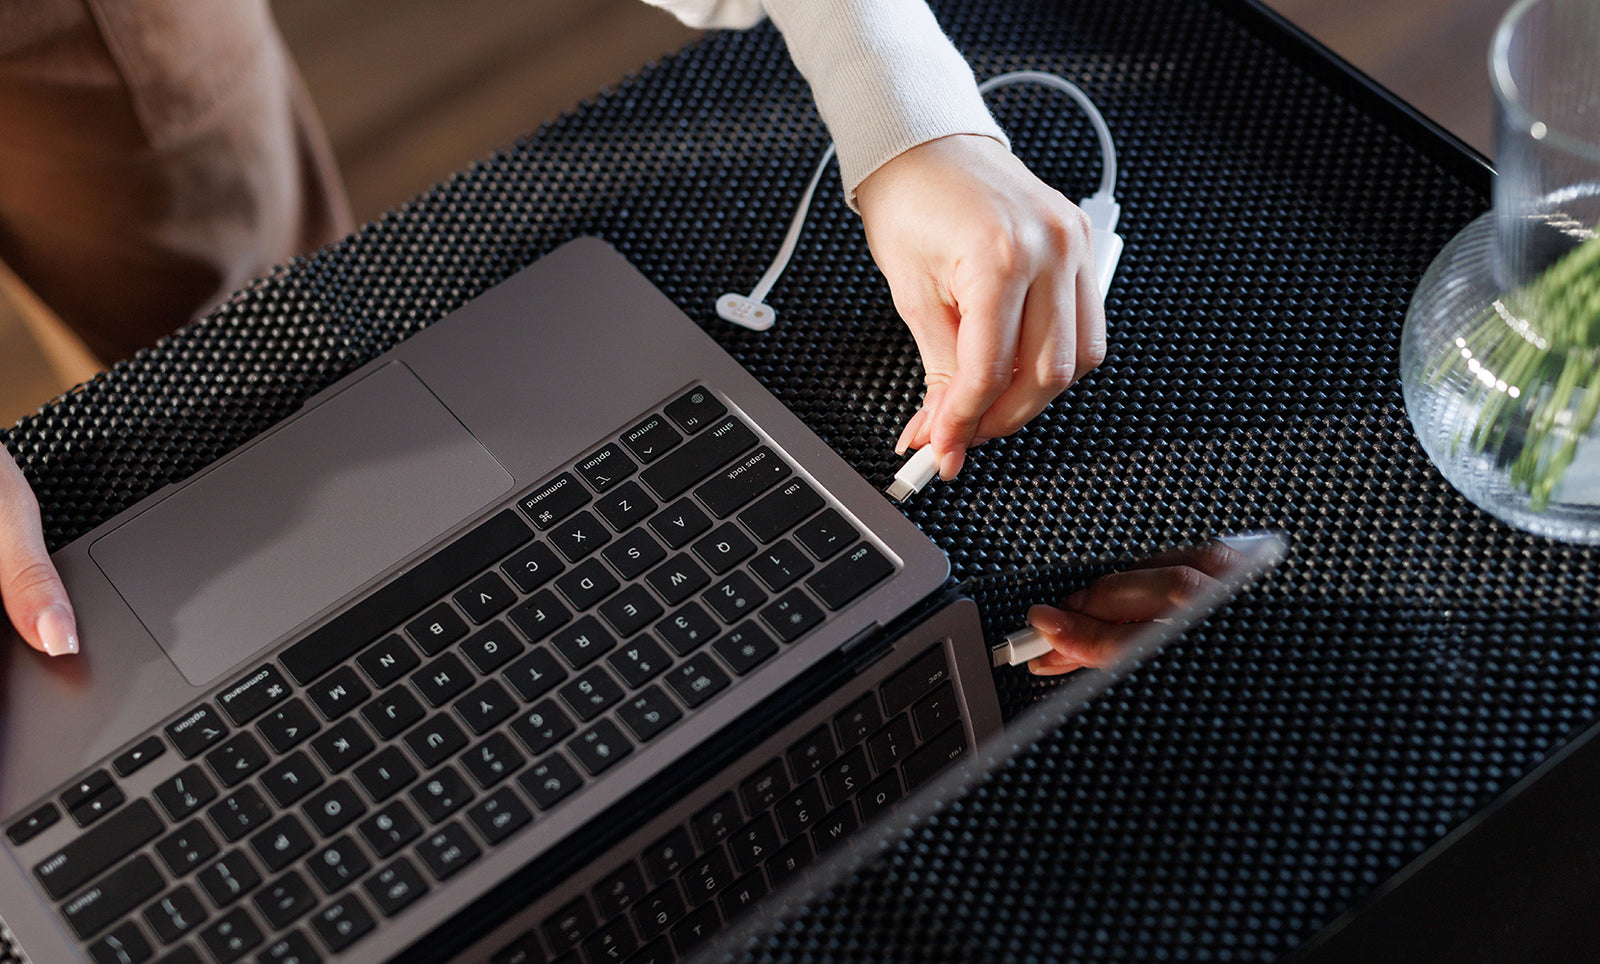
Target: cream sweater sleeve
<point>884,75</point>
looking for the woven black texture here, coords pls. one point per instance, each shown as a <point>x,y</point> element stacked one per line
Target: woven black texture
<point>1410,659</point>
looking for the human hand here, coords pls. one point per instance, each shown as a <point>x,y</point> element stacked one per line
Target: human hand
<point>993,271</point>
<point>1095,624</point>
<point>30,588</point>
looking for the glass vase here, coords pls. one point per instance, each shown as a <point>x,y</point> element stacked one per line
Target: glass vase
<point>1500,355</point>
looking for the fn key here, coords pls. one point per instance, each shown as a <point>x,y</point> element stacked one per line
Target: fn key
<point>850,575</point>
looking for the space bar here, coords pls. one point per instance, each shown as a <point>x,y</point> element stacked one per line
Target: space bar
<point>391,605</point>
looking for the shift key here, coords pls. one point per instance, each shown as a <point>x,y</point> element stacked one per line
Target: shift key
<point>850,575</point>
<point>112,896</point>
<point>119,835</point>
<point>698,458</point>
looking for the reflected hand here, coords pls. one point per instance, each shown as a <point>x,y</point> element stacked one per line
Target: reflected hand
<point>993,271</point>
<point>30,588</point>
<point>1095,624</point>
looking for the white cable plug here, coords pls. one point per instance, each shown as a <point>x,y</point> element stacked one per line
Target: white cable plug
<point>916,473</point>
<point>1020,647</point>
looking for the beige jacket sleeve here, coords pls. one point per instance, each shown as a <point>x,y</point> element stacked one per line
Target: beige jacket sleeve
<point>884,75</point>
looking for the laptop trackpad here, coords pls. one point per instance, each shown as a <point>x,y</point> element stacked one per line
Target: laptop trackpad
<point>254,547</point>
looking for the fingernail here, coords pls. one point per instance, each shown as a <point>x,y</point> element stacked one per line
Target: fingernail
<point>950,465</point>
<point>57,631</point>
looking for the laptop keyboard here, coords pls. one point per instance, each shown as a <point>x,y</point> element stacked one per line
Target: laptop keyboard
<point>779,817</point>
<point>452,707</point>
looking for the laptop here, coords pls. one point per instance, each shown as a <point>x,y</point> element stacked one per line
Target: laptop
<point>547,635</point>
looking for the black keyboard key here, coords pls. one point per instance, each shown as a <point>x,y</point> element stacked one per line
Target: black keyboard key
<point>625,507</point>
<point>390,829</point>
<point>542,727</point>
<point>338,693</point>
<point>92,784</point>
<point>650,438</point>
<point>879,795</point>
<point>924,764</point>
<point>695,409</point>
<point>735,597</point>
<point>781,510</point>
<point>680,522</point>
<point>253,695</point>
<point>239,813</point>
<point>395,887</point>
<point>688,629</point>
<point>583,642</point>
<point>484,598</point>
<point>442,680</point>
<point>630,610</point>
<point>570,924</point>
<point>342,922</point>
<point>745,647</point>
<point>398,601</point>
<point>612,942</point>
<point>763,788</point>
<point>743,894</point>
<point>185,792</point>
<point>706,877</point>
<point>734,487</point>
<point>620,890</point>
<point>789,861</point>
<point>696,928</point>
<point>699,457</point>
<point>855,722</point>
<point>532,567</point>
<point>809,754</point>
<point>842,580</point>
<point>291,778</point>
<point>112,896</point>
<point>124,945</point>
<point>34,823</point>
<point>176,914</point>
<point>491,648</point>
<point>285,900</point>
<point>436,629</point>
<point>800,810</point>
<point>135,757</point>
<point>578,536</point>
<point>533,674</point>
<point>342,745</point>
<point>935,711</point>
<point>499,815</point>
<point>198,730</point>
<point>447,850</point>
<point>724,548</point>
<point>281,843</point>
<point>826,534</point>
<point>229,878</point>
<point>890,744</point>
<point>844,777</point>
<point>792,615</point>
<point>648,713</point>
<point>587,584</point>
<point>484,707</point>
<point>392,712</point>
<point>186,848</point>
<point>592,693</point>
<point>915,681</point>
<point>287,725</point>
<point>780,564</point>
<point>754,843</point>
<point>633,553</point>
<point>677,579</point>
<point>540,616</point>
<point>550,781</point>
<point>237,758</point>
<point>555,500</point>
<point>182,955</point>
<point>333,808</point>
<point>696,680</point>
<point>384,774</point>
<point>665,858</point>
<point>605,469</point>
<point>659,910</point>
<point>232,936</point>
<point>98,806</point>
<point>440,794</point>
<point>492,760</point>
<point>834,828</point>
<point>435,740</point>
<point>387,660</point>
<point>716,821</point>
<point>291,948</point>
<point>600,746</point>
<point>639,661</point>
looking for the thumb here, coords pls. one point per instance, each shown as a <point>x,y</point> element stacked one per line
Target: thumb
<point>30,588</point>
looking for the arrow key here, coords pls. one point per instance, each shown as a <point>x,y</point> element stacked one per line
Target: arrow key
<point>132,759</point>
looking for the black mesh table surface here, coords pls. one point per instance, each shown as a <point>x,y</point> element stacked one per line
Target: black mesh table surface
<point>1412,657</point>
